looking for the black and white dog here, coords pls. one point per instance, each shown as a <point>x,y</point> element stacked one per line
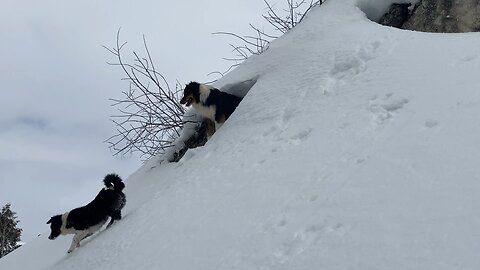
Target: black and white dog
<point>214,105</point>
<point>86,220</point>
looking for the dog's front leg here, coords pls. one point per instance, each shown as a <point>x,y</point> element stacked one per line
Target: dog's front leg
<point>218,125</point>
<point>73,245</point>
<point>86,235</point>
<point>76,241</point>
<point>210,128</point>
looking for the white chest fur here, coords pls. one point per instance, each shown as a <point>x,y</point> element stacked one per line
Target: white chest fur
<point>63,229</point>
<point>205,111</point>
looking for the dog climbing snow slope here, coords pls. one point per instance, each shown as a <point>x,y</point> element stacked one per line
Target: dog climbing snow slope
<point>86,220</point>
<point>213,105</point>
<point>357,148</point>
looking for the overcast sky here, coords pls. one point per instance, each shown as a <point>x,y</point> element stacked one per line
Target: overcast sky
<point>55,86</point>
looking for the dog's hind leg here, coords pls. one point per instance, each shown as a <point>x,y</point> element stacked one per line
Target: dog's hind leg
<point>110,223</point>
<point>219,120</point>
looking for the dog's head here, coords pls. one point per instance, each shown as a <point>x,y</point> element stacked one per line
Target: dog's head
<point>55,226</point>
<point>191,94</point>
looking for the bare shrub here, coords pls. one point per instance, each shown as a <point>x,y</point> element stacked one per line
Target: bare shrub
<point>292,15</point>
<point>150,116</point>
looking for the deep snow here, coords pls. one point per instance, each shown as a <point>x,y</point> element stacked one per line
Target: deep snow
<point>357,148</point>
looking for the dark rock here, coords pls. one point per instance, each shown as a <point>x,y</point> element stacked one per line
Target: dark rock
<point>445,16</point>
<point>396,16</point>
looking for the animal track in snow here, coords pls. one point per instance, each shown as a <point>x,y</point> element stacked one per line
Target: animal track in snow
<point>369,50</point>
<point>275,225</point>
<point>353,62</point>
<point>383,109</point>
<point>304,239</point>
<point>301,136</point>
<point>431,123</point>
<point>313,198</point>
<point>286,138</point>
<point>270,131</point>
<point>466,59</point>
<point>395,105</point>
<point>299,242</point>
<point>346,63</point>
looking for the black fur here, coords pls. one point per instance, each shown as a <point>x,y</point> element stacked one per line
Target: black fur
<point>118,197</point>
<point>194,89</point>
<point>55,226</point>
<point>107,204</point>
<point>225,103</point>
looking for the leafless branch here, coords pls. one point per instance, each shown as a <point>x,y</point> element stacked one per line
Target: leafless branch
<point>149,115</point>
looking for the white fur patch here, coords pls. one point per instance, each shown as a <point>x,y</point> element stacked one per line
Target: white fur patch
<point>63,229</point>
<point>207,112</point>
<point>204,92</point>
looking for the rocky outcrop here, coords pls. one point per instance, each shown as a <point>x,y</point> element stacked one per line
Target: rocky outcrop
<point>445,16</point>
<point>440,16</point>
<point>396,16</point>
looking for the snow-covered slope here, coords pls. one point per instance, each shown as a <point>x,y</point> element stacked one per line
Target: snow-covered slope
<point>357,148</point>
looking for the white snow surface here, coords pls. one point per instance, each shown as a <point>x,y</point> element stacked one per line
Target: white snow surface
<point>357,148</point>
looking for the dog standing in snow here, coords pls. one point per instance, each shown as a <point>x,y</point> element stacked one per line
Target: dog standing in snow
<point>214,105</point>
<point>86,220</point>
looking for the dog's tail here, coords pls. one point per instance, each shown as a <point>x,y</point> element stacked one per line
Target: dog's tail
<point>114,181</point>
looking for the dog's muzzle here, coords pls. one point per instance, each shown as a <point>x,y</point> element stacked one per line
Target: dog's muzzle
<point>187,101</point>
<point>54,235</point>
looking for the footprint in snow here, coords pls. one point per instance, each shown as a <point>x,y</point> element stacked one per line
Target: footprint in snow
<point>431,123</point>
<point>353,62</point>
<point>346,63</point>
<point>383,109</point>
<point>301,136</point>
<point>299,242</point>
<point>306,239</point>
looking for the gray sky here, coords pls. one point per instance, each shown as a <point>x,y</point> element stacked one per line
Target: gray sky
<point>55,86</point>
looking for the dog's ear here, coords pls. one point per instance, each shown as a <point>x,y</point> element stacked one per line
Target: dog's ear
<point>50,220</point>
